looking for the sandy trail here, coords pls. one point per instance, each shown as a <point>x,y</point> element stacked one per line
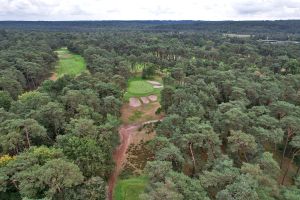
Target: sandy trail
<point>129,133</point>
<point>120,155</point>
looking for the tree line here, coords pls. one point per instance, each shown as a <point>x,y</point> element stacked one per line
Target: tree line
<point>231,129</point>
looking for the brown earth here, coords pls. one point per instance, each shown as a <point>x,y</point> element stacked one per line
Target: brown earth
<point>137,153</point>
<point>134,102</point>
<point>147,113</point>
<point>53,77</point>
<point>145,100</point>
<point>120,155</point>
<point>152,97</point>
<point>132,133</point>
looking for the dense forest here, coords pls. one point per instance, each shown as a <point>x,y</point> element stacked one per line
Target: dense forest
<point>277,26</point>
<point>230,105</point>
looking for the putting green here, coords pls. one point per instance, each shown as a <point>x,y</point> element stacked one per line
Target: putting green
<point>140,87</point>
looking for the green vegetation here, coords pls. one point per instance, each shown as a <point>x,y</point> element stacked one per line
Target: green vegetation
<point>136,115</point>
<point>50,135</point>
<point>69,63</point>
<point>130,189</point>
<point>231,106</point>
<point>137,68</point>
<point>138,87</point>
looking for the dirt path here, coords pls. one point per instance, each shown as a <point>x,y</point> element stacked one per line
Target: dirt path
<point>120,155</point>
<point>129,134</point>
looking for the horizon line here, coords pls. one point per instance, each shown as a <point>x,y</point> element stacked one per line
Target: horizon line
<point>141,20</point>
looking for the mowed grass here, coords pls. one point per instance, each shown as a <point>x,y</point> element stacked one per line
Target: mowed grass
<point>138,87</point>
<point>130,189</point>
<point>69,63</point>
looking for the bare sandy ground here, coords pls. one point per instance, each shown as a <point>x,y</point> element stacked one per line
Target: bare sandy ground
<point>152,97</point>
<point>134,102</point>
<point>154,83</point>
<point>130,134</point>
<point>137,154</point>
<point>145,100</point>
<point>53,77</point>
<point>120,155</point>
<point>158,86</point>
<point>148,113</point>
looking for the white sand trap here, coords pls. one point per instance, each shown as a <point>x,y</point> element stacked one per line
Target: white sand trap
<point>154,83</point>
<point>145,100</point>
<point>152,97</point>
<point>134,102</point>
<point>158,86</point>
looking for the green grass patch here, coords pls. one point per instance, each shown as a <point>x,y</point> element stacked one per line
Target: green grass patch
<point>137,68</point>
<point>130,189</point>
<point>69,63</point>
<point>136,115</point>
<point>138,87</point>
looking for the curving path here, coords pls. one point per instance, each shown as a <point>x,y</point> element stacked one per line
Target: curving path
<point>126,135</point>
<point>120,155</point>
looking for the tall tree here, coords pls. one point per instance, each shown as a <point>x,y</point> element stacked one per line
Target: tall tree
<point>242,144</point>
<point>17,135</point>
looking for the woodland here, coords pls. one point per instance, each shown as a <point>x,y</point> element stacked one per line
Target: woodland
<point>225,125</point>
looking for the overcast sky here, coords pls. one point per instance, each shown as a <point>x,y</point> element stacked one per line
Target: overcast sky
<point>149,9</point>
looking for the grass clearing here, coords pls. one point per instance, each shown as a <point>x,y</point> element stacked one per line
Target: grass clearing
<point>130,189</point>
<point>138,87</point>
<point>69,63</point>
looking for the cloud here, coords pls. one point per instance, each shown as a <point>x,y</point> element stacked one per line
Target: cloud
<point>145,9</point>
<point>274,9</point>
<point>24,8</point>
<point>39,9</point>
<point>159,10</point>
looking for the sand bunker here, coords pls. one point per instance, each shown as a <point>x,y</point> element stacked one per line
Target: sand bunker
<point>155,83</point>
<point>130,134</point>
<point>158,86</point>
<point>145,100</point>
<point>152,97</point>
<point>134,102</point>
